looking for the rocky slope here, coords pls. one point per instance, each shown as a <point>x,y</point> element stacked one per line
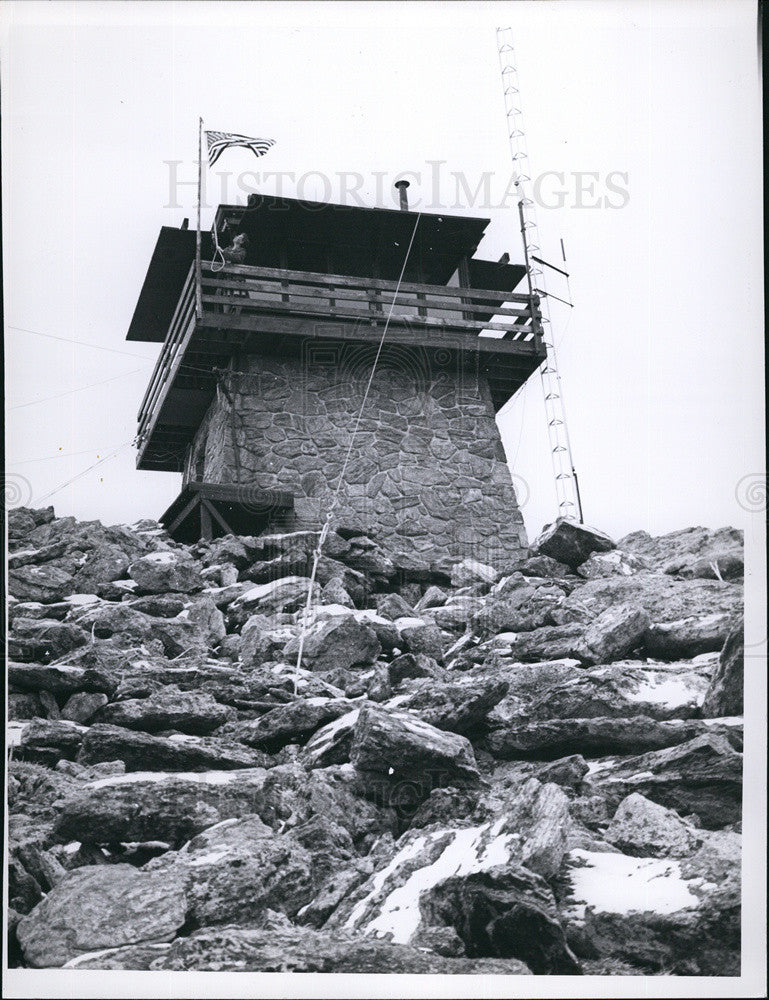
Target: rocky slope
<point>530,773</point>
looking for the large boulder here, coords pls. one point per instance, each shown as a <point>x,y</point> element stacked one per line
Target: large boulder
<point>286,594</point>
<point>671,916</point>
<point>331,743</point>
<point>143,752</point>
<point>552,642</point>
<point>701,776</point>
<point>620,690</point>
<point>40,583</point>
<point>470,571</point>
<point>458,707</point>
<point>643,829</point>
<point>193,712</point>
<point>302,949</point>
<point>614,563</point>
<point>342,642</point>
<point>725,691</point>
<point>128,627</point>
<point>721,566</point>
<point>209,619</point>
<point>42,640</point>
<point>570,543</point>
<point>678,551</point>
<point>615,633</point>
<point>688,637</point>
<point>164,572</point>
<point>45,741</point>
<point>59,678</point>
<point>103,564</point>
<point>470,879</point>
<point>294,722</point>
<point>400,749</point>
<point>101,907</point>
<point>237,870</point>
<point>261,641</point>
<point>664,598</point>
<point>549,739</point>
<point>154,806</point>
<point>420,636</point>
<point>292,795</point>
<point>82,706</point>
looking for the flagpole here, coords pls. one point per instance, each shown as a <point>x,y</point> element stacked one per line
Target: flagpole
<point>198,289</point>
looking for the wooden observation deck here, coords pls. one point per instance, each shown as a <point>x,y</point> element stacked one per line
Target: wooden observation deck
<point>466,307</point>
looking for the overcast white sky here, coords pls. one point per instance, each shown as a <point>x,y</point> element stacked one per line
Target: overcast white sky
<point>662,357</point>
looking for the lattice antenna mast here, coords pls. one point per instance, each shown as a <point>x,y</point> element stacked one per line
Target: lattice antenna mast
<point>566,482</point>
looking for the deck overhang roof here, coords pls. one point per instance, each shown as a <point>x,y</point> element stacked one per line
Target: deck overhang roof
<point>355,233</point>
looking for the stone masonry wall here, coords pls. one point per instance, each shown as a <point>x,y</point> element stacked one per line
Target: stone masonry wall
<point>427,475</point>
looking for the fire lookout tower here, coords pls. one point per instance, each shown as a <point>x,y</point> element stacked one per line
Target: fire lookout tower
<point>255,399</point>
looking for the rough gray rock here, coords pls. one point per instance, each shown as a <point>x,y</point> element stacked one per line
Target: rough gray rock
<point>664,598</point>
<point>45,742</point>
<point>616,632</point>
<point>40,583</point>
<point>460,707</point>
<point>470,571</point>
<point>570,543</point>
<point>142,752</point>
<point>342,642</point>
<point>295,949</point>
<point>236,871</point>
<point>552,738</point>
<point>157,806</point>
<point>404,749</point>
<point>420,636</point>
<point>193,712</point>
<point>164,572</point>
<point>42,640</point>
<point>621,690</point>
<point>286,594</point>
<point>689,637</point>
<point>82,707</point>
<point>291,723</point>
<point>725,692</point>
<point>409,665</point>
<point>693,927</point>
<point>722,566</point>
<point>472,879</point>
<point>644,829</point>
<point>58,678</point>
<point>393,606</point>
<point>549,643</point>
<point>702,776</point>
<point>101,907</point>
<point>614,563</point>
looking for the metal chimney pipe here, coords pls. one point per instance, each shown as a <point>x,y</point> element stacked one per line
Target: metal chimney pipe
<point>404,198</point>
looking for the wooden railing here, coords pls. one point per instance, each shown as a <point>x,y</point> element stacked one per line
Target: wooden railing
<point>261,290</point>
<point>181,326</point>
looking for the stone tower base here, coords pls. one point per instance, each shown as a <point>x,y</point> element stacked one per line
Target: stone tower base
<point>426,476</point>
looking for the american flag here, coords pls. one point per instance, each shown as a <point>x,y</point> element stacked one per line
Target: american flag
<point>219,141</point>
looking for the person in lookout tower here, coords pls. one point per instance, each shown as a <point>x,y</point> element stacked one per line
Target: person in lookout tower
<point>235,253</point>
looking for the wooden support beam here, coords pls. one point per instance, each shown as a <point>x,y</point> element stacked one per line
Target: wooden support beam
<point>206,527</point>
<point>211,508</point>
<point>187,510</point>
